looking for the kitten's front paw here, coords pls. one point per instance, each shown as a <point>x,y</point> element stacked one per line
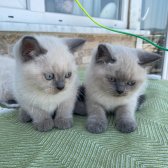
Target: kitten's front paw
<point>125,125</point>
<point>63,123</point>
<point>24,116</point>
<point>45,125</point>
<point>96,125</point>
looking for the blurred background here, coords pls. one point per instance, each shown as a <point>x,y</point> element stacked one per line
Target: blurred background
<point>64,18</point>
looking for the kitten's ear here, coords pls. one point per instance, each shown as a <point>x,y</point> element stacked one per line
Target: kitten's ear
<point>103,55</point>
<point>74,44</point>
<point>30,48</point>
<point>147,57</point>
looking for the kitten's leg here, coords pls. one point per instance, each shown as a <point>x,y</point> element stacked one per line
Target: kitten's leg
<point>42,120</point>
<point>24,116</point>
<point>97,120</point>
<point>80,108</point>
<point>64,118</point>
<point>125,119</point>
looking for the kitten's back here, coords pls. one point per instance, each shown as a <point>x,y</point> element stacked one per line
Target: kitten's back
<point>7,66</point>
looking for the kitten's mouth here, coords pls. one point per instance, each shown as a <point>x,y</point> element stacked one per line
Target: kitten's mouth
<point>57,91</point>
<point>119,95</point>
<point>54,91</point>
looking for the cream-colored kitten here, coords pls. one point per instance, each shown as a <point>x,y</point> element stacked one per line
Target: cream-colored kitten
<point>46,80</point>
<point>114,82</point>
<point>7,66</point>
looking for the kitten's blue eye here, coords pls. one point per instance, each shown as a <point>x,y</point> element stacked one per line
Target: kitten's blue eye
<point>112,79</point>
<point>131,83</point>
<point>68,75</point>
<point>49,76</point>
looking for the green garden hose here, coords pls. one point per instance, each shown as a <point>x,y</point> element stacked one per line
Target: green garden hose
<point>118,31</point>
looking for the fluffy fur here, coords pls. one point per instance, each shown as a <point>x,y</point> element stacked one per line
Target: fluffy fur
<point>7,66</point>
<point>115,81</point>
<point>46,80</point>
<point>80,105</point>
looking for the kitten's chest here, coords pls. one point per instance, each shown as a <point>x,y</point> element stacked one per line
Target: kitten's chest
<point>48,103</point>
<point>110,103</point>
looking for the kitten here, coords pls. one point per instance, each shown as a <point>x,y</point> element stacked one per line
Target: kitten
<point>115,81</point>
<point>46,80</point>
<point>7,66</point>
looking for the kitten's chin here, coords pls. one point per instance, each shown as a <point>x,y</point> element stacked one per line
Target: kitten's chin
<point>120,95</point>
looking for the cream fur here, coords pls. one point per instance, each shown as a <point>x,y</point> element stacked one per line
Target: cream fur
<point>128,64</point>
<point>7,66</point>
<point>101,95</point>
<point>40,103</point>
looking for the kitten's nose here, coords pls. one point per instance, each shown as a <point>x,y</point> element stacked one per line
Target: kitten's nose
<point>120,91</point>
<point>120,88</point>
<point>60,85</point>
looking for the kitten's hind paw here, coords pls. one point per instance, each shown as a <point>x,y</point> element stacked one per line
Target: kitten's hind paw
<point>96,125</point>
<point>24,116</point>
<point>63,123</point>
<point>45,125</point>
<point>126,126</point>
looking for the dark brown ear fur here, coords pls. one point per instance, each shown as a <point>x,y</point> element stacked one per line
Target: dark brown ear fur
<point>74,44</point>
<point>103,55</point>
<point>30,48</point>
<point>146,57</point>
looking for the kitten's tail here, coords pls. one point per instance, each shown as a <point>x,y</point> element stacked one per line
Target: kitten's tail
<point>80,105</point>
<point>141,100</point>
